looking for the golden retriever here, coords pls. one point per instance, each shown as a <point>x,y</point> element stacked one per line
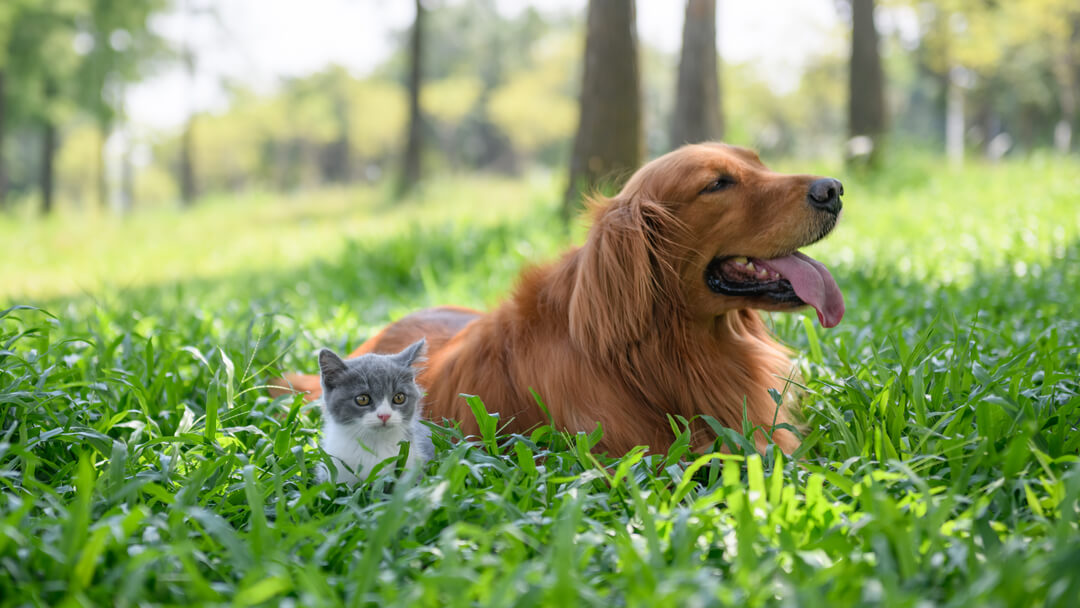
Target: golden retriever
<point>655,315</point>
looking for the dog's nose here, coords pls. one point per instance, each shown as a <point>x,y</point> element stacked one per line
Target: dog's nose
<point>825,194</point>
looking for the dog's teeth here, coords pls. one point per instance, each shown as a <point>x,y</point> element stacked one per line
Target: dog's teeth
<point>762,273</point>
<point>740,260</point>
<point>750,265</point>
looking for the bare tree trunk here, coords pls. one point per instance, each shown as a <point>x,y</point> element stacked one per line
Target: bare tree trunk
<point>127,175</point>
<point>48,152</point>
<point>187,167</point>
<point>1074,61</point>
<point>698,116</point>
<point>3,165</point>
<point>1067,74</point>
<point>410,174</point>
<point>866,90</point>
<point>955,122</point>
<point>342,161</point>
<point>100,169</point>
<point>609,144</point>
<point>185,163</point>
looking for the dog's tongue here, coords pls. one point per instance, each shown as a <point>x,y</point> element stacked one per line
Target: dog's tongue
<point>812,283</point>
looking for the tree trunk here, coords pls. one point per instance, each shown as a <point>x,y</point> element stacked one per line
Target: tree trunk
<point>1066,69</point>
<point>100,170</point>
<point>698,116</point>
<point>1074,60</point>
<point>410,174</point>
<point>187,167</point>
<point>608,145</point>
<point>342,161</point>
<point>127,176</point>
<point>48,152</point>
<point>1066,89</point>
<point>866,90</point>
<point>955,123</point>
<point>3,166</point>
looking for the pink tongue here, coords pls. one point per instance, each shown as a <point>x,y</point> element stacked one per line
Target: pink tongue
<point>813,283</point>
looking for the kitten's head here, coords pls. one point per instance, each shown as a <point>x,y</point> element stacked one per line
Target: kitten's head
<point>376,391</point>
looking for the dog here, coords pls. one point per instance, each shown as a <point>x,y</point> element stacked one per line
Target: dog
<point>655,315</point>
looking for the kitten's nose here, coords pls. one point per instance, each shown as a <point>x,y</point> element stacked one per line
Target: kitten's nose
<point>384,417</point>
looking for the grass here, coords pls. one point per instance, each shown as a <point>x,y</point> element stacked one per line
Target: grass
<point>141,462</point>
<point>89,252</point>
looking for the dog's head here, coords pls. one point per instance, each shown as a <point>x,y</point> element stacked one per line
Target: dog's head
<point>699,232</point>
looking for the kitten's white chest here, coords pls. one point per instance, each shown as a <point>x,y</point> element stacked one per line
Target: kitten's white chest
<point>359,448</point>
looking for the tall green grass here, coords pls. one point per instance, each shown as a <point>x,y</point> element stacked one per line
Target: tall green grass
<point>141,461</point>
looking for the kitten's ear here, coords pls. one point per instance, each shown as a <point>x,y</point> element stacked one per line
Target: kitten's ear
<point>412,353</point>
<point>331,367</point>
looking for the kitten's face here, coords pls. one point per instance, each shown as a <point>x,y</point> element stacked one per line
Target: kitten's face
<point>373,391</point>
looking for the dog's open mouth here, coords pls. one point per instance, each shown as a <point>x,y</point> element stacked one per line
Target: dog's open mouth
<point>793,279</point>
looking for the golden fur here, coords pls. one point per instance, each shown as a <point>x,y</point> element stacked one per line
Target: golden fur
<point>623,330</point>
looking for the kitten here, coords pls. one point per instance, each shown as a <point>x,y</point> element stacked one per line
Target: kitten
<point>371,403</point>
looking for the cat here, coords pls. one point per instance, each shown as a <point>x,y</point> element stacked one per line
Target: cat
<point>370,404</point>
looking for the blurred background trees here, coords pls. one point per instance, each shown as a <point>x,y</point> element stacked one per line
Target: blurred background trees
<point>608,145</point>
<point>507,91</point>
<point>410,173</point>
<point>64,64</point>
<point>698,109</point>
<point>866,86</point>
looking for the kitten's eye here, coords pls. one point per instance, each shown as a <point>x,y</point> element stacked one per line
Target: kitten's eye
<point>722,183</point>
<point>399,398</point>
<point>364,399</point>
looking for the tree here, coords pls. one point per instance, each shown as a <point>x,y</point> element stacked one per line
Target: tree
<point>698,115</point>
<point>186,164</point>
<point>866,90</point>
<point>121,47</point>
<point>3,113</point>
<point>608,144</point>
<point>92,47</point>
<point>193,13</point>
<point>41,89</point>
<point>410,174</point>
<point>1066,69</point>
<point>1001,72</point>
<point>8,13</point>
<point>464,79</point>
<point>48,151</point>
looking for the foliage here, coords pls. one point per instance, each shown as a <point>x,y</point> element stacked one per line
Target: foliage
<point>450,99</point>
<point>39,90</point>
<point>1021,60</point>
<point>62,61</point>
<point>501,92</point>
<point>121,48</point>
<point>806,121</point>
<point>142,461</point>
<point>225,148</point>
<point>75,168</point>
<point>536,107</point>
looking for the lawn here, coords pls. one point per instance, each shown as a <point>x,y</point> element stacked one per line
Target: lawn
<point>141,462</point>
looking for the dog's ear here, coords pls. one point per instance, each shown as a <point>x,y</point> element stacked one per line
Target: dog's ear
<point>624,274</point>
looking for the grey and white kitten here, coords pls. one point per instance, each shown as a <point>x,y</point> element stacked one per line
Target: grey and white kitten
<point>370,404</point>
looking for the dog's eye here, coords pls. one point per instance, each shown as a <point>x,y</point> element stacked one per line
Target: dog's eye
<point>722,183</point>
<point>364,399</point>
<point>399,398</point>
